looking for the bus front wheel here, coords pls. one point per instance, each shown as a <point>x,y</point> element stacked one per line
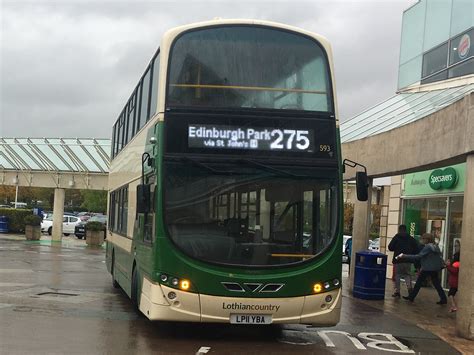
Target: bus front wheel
<point>134,292</point>
<point>114,280</point>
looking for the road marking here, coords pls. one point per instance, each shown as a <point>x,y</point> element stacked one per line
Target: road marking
<point>373,342</point>
<point>391,340</point>
<point>203,350</point>
<point>329,343</point>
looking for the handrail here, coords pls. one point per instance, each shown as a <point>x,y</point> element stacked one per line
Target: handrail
<point>256,88</point>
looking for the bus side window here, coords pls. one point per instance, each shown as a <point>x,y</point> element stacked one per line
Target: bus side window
<point>149,218</point>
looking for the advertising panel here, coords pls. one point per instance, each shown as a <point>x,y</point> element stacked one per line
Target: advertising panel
<point>442,181</point>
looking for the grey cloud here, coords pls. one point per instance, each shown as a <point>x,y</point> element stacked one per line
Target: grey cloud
<point>68,66</point>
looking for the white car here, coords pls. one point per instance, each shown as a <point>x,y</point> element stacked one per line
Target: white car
<point>69,223</point>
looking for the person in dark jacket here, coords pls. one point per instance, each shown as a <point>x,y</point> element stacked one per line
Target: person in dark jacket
<point>402,243</point>
<point>431,264</point>
<point>349,252</point>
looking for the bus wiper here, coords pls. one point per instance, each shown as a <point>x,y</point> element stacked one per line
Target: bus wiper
<point>269,168</point>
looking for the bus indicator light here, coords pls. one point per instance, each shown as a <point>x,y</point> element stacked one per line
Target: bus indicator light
<point>317,288</point>
<point>184,285</point>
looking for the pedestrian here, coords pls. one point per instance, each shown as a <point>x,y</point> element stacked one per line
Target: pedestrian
<point>431,264</point>
<point>453,268</point>
<point>348,252</point>
<point>402,243</point>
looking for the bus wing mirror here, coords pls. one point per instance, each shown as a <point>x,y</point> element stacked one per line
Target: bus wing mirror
<point>143,198</point>
<point>362,186</point>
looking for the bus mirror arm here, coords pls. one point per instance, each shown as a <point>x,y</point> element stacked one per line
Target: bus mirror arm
<point>146,158</point>
<point>362,180</point>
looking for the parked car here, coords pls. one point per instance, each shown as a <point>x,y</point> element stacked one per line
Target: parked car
<point>84,216</point>
<point>80,229</point>
<point>69,223</point>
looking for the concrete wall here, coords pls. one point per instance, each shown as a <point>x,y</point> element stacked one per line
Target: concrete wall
<point>96,181</point>
<point>394,216</point>
<point>443,138</point>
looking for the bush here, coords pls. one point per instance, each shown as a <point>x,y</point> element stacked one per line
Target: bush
<point>94,226</point>
<point>16,217</point>
<point>32,220</point>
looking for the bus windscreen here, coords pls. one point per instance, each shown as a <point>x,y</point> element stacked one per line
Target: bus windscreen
<point>249,67</point>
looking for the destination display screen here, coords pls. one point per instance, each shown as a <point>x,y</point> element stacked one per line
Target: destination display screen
<point>250,138</point>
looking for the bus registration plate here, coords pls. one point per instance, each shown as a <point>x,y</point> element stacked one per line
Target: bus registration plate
<point>250,319</point>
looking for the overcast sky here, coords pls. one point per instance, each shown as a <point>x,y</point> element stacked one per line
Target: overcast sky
<point>67,67</point>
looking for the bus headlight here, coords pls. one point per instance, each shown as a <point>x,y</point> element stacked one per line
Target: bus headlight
<point>164,277</point>
<point>175,281</point>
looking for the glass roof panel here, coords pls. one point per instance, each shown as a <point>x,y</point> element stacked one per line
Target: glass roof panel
<point>55,154</point>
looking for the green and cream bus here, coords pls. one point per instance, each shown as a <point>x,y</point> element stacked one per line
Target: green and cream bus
<point>225,182</point>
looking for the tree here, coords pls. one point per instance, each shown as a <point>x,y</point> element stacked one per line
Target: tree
<point>6,194</point>
<point>94,201</point>
<point>348,218</point>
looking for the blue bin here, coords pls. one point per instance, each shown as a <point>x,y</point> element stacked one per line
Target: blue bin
<point>3,224</point>
<point>370,275</point>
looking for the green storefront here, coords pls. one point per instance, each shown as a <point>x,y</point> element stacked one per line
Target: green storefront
<point>433,202</point>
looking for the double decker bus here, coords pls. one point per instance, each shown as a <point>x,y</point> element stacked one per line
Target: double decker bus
<point>225,182</point>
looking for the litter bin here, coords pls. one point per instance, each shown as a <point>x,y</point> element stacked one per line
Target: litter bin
<point>3,224</point>
<point>370,274</point>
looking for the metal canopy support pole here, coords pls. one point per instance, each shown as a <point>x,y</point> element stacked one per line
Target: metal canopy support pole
<point>58,212</point>
<point>465,296</point>
<point>16,194</point>
<point>360,230</point>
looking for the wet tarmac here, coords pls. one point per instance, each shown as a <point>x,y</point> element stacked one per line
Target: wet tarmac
<point>60,300</point>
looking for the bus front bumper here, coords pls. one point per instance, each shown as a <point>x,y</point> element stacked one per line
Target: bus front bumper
<point>157,302</point>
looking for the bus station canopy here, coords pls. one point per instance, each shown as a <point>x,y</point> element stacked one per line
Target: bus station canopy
<point>400,110</point>
<point>84,155</point>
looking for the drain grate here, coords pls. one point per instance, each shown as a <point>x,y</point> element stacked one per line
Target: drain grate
<point>57,294</point>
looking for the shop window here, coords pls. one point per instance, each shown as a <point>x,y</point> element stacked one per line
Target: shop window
<point>437,77</point>
<point>435,60</point>
<point>461,69</point>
